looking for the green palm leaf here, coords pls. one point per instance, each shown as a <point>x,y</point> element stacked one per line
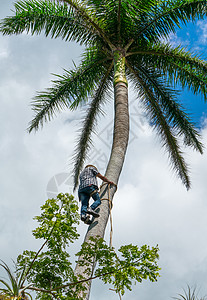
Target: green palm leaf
<point>158,120</point>
<point>164,53</point>
<point>55,19</point>
<point>174,113</point>
<point>165,16</point>
<point>72,89</point>
<point>176,64</point>
<point>90,17</point>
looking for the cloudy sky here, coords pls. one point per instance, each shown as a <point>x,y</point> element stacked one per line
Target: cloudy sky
<point>150,207</point>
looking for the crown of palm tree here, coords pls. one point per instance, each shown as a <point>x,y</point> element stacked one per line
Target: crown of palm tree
<point>135,31</point>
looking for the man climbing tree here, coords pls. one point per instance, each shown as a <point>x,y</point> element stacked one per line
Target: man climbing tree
<point>89,188</point>
<point>124,40</point>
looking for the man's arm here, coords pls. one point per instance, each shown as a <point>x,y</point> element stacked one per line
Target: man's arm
<point>105,179</point>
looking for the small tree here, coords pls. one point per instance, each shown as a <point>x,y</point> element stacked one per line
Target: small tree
<point>49,271</point>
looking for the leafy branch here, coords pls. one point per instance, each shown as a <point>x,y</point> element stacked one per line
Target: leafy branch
<point>50,273</point>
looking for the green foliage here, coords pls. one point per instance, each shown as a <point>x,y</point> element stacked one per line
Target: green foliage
<point>50,272</point>
<point>132,265</point>
<point>74,87</point>
<point>53,18</point>
<point>57,221</point>
<point>57,226</point>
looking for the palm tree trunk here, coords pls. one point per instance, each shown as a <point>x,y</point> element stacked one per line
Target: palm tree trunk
<point>116,161</point>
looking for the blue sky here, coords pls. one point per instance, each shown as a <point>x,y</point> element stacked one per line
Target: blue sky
<point>151,205</point>
<point>193,37</point>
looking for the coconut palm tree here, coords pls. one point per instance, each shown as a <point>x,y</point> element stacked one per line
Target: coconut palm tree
<point>123,41</point>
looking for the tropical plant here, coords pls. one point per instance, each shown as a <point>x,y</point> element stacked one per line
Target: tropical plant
<point>15,290</point>
<point>123,40</point>
<point>189,294</point>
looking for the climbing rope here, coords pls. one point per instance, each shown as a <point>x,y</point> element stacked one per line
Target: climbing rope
<point>110,208</point>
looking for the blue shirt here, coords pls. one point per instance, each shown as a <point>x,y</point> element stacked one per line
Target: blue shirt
<point>88,177</point>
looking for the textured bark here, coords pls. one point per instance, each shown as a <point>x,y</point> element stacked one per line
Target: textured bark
<point>119,147</point>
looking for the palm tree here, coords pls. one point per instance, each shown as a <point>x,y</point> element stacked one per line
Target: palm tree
<point>123,40</point>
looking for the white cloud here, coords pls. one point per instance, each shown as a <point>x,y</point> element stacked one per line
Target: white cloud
<point>176,41</point>
<point>4,51</point>
<point>202,31</point>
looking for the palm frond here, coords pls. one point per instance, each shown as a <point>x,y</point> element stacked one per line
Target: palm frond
<point>161,54</point>
<point>108,15</point>
<point>165,16</point>
<point>180,66</point>
<point>119,22</point>
<point>90,17</point>
<point>55,19</point>
<point>72,89</point>
<point>84,141</point>
<point>130,13</point>
<point>174,112</point>
<point>159,122</point>
<point>115,19</point>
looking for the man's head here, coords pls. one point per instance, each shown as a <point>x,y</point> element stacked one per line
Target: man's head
<point>90,166</point>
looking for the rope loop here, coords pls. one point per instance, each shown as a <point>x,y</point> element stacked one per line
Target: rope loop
<point>110,202</point>
<point>106,183</point>
<point>108,199</point>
